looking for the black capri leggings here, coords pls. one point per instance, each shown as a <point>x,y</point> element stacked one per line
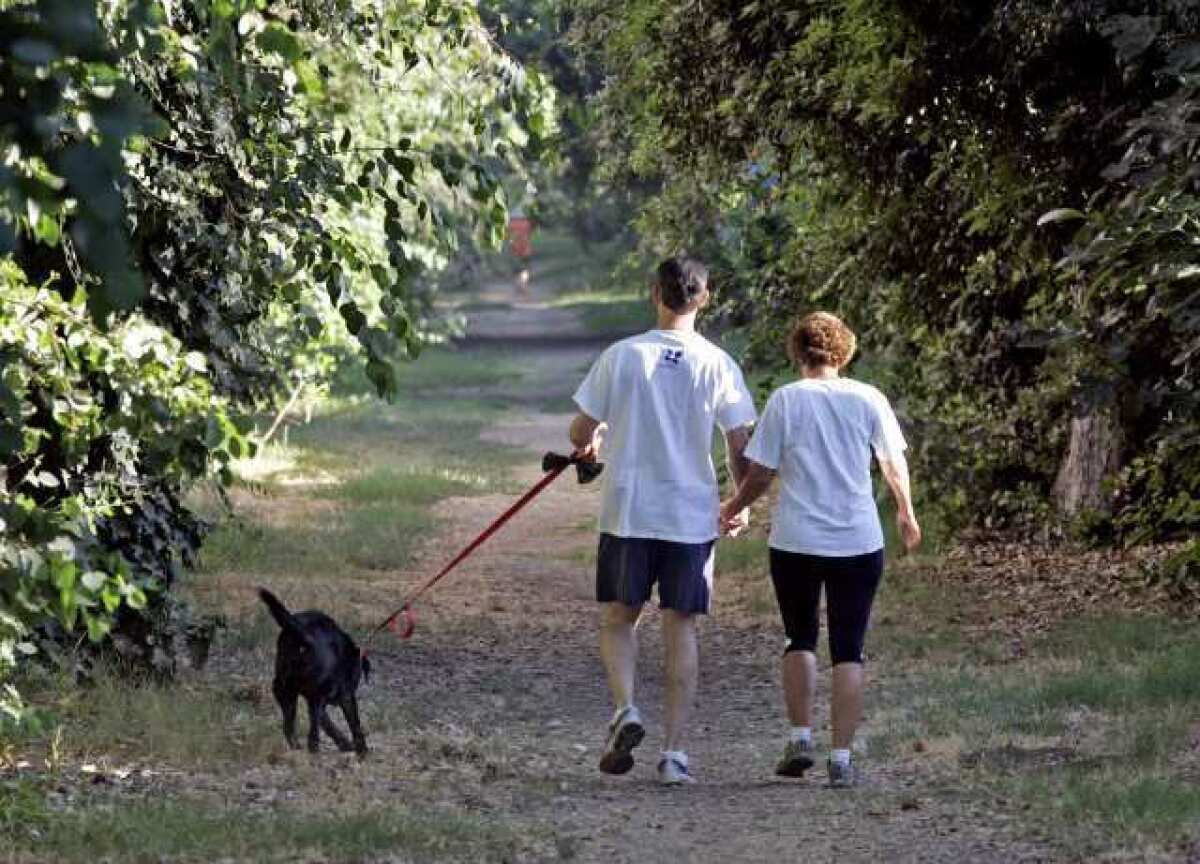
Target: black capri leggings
<point>850,585</point>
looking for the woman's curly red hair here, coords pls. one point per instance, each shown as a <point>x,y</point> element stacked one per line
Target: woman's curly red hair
<point>821,339</point>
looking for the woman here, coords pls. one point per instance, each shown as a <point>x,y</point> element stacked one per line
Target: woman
<point>817,434</point>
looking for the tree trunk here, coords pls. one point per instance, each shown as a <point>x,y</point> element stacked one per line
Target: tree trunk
<point>1093,456</point>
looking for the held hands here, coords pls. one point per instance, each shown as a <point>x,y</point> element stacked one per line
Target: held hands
<point>734,522</point>
<point>910,531</point>
<point>589,453</point>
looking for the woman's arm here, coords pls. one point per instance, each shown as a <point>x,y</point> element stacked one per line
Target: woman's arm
<point>756,481</point>
<point>895,472</point>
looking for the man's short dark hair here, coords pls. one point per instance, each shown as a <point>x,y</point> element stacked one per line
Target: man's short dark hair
<point>680,281</point>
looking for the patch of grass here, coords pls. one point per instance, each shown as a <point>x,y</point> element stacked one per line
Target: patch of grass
<point>348,500</point>
<point>483,306</point>
<point>1111,639</point>
<point>250,631</point>
<point>192,831</point>
<point>353,491</point>
<point>742,555</point>
<point>182,725</point>
<point>559,258</point>
<point>742,569</point>
<point>445,368</point>
<point>440,368</point>
<point>556,245</point>
<point>1114,665</point>
<point>353,536</point>
<point>23,811</point>
<point>610,313</point>
<point>1154,807</point>
<point>935,637</point>
<point>1114,699</point>
<point>583,555</point>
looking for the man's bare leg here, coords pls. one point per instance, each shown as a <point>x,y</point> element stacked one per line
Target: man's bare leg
<point>618,652</point>
<point>682,658</point>
<point>618,649</point>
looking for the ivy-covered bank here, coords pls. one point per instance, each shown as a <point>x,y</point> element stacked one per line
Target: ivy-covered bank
<point>202,204</point>
<point>1001,197</point>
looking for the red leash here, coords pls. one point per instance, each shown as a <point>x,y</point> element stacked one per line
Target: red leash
<point>554,465</point>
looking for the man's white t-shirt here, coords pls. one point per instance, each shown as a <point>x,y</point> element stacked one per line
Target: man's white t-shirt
<point>819,434</point>
<point>661,393</point>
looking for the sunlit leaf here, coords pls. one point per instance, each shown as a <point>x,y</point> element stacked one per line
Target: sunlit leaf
<point>1063,214</point>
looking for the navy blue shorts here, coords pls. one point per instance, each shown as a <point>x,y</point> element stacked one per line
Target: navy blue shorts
<point>628,567</point>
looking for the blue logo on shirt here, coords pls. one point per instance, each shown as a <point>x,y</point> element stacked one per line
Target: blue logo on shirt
<point>671,357</point>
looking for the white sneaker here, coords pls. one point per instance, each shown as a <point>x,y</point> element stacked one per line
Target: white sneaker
<point>841,774</point>
<point>624,733</point>
<point>673,770</point>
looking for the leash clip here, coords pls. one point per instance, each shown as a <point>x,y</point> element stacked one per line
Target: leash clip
<point>409,619</point>
<point>404,622</point>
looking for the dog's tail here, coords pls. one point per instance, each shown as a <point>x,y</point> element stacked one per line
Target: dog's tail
<point>282,616</point>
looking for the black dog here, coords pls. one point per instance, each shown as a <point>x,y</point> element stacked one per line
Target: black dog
<point>317,660</point>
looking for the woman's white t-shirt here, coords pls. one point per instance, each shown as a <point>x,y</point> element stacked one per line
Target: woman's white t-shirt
<point>819,434</point>
<point>661,394</point>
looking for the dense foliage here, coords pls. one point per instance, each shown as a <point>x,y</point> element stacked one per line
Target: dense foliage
<point>200,200</point>
<point>1000,196</point>
<point>564,186</point>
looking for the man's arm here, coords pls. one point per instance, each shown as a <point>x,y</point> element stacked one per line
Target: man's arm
<point>735,453</point>
<point>735,457</point>
<point>586,434</point>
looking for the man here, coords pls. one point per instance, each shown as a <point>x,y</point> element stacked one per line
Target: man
<point>656,398</point>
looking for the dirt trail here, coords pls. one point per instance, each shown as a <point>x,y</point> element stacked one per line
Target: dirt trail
<point>506,648</point>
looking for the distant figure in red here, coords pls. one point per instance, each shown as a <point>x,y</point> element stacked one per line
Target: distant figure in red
<point>520,240</point>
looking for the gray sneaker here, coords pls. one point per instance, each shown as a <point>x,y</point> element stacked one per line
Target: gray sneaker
<point>797,758</point>
<point>674,772</point>
<point>624,733</point>
<point>841,776</point>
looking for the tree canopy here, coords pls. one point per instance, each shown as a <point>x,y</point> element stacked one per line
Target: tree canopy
<point>1000,196</point>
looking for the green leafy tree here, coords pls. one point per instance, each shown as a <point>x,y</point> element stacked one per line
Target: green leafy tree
<point>204,203</point>
<point>998,195</point>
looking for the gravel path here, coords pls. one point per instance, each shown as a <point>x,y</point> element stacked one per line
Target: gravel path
<point>506,647</point>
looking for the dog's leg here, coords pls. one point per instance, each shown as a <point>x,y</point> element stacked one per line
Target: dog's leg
<point>287,705</point>
<point>331,729</point>
<point>315,710</point>
<point>350,709</point>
